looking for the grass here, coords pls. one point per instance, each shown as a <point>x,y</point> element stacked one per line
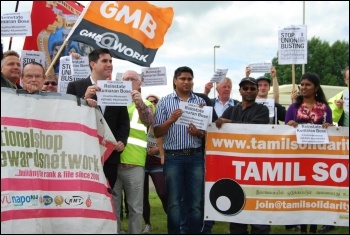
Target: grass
<point>159,221</point>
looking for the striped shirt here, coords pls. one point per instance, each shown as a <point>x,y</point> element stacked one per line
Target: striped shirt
<point>177,137</point>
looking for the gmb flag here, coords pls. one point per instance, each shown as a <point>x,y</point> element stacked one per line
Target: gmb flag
<point>131,30</point>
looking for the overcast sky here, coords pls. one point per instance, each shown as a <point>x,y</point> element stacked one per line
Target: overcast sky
<point>245,31</point>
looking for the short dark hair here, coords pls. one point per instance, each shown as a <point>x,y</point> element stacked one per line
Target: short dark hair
<point>95,54</point>
<point>178,71</point>
<point>33,63</point>
<point>183,69</point>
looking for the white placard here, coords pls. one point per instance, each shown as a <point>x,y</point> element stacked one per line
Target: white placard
<point>269,103</point>
<point>219,75</point>
<point>16,24</point>
<point>30,56</point>
<point>65,74</point>
<point>80,66</point>
<point>311,134</point>
<point>292,45</point>
<point>346,100</point>
<point>155,76</point>
<point>263,67</point>
<point>192,113</point>
<point>114,93</point>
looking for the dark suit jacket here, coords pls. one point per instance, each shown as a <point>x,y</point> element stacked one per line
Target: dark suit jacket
<point>5,82</point>
<point>117,117</point>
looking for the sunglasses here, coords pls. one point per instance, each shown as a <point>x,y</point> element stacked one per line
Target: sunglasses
<point>249,88</point>
<point>53,83</point>
<point>153,101</point>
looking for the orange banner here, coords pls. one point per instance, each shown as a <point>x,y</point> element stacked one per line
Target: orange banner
<point>132,31</point>
<point>260,174</point>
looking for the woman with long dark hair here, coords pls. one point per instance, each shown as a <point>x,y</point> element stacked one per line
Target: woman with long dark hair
<point>309,107</point>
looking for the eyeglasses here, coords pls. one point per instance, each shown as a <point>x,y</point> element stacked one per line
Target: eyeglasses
<point>53,83</point>
<point>246,88</point>
<point>153,101</point>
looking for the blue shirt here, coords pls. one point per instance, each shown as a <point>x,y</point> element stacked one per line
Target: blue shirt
<point>177,136</point>
<point>220,107</point>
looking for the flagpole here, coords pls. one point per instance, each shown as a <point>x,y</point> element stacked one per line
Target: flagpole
<point>57,55</point>
<point>16,9</point>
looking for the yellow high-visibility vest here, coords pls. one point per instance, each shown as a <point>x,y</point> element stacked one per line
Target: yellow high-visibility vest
<point>135,151</point>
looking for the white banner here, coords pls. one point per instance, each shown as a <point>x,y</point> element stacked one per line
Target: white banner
<point>52,155</point>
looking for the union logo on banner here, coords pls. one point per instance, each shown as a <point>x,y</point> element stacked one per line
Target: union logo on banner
<point>49,32</point>
<point>132,31</point>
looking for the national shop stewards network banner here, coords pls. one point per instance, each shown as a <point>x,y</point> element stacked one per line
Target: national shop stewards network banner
<point>258,174</point>
<point>132,31</point>
<point>52,152</point>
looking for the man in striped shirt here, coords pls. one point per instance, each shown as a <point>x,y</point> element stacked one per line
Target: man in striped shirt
<point>184,157</point>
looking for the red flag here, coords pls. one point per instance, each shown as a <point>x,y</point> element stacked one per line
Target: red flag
<point>51,23</point>
<point>132,30</point>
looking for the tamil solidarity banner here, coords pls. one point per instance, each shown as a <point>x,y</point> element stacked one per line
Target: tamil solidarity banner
<point>131,30</point>
<point>52,155</point>
<point>258,174</point>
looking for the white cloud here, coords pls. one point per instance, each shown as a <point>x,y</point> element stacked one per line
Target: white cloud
<point>246,32</point>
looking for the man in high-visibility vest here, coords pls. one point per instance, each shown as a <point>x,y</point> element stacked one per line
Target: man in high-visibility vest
<point>131,171</point>
<point>340,109</point>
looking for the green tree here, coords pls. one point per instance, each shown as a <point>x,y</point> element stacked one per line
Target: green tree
<point>325,60</point>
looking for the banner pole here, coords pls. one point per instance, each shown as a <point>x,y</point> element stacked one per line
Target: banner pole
<point>56,57</point>
<point>293,76</point>
<point>16,9</point>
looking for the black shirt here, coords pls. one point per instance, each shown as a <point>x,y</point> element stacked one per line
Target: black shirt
<point>255,114</point>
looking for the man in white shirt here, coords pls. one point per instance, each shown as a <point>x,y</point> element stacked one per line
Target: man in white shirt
<point>224,100</point>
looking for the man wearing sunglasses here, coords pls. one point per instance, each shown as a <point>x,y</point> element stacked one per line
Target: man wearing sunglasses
<point>50,83</point>
<point>248,111</point>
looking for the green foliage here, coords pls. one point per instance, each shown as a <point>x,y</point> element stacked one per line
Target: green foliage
<point>159,221</point>
<point>328,61</point>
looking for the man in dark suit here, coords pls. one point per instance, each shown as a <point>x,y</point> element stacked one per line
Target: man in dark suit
<point>117,117</point>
